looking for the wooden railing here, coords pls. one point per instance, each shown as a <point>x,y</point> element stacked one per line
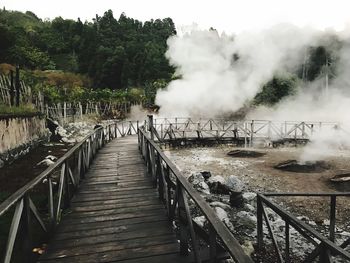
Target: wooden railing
<point>58,184</point>
<point>325,248</point>
<point>247,131</point>
<point>175,191</point>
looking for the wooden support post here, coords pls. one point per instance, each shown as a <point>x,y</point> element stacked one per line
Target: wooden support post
<point>182,221</point>
<point>287,248</point>
<point>251,133</point>
<point>212,244</point>
<point>51,205</point>
<point>150,128</point>
<point>26,230</point>
<point>260,232</point>
<point>18,86</point>
<point>12,89</point>
<point>332,218</point>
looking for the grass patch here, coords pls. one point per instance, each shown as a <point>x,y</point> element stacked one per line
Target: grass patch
<point>26,109</point>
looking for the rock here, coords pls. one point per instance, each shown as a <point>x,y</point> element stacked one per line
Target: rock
<point>202,187</point>
<point>2,163</point>
<point>219,204</point>
<point>249,208</point>
<point>200,220</point>
<point>218,185</point>
<point>249,197</point>
<point>248,247</point>
<point>217,178</point>
<point>206,175</point>
<point>51,157</point>
<point>221,213</point>
<point>247,219</point>
<point>45,162</point>
<point>195,178</point>
<point>236,199</point>
<point>234,184</point>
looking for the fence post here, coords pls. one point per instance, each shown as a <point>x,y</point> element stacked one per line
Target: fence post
<point>17,85</point>
<point>150,128</point>
<point>12,89</point>
<point>27,233</point>
<point>260,233</point>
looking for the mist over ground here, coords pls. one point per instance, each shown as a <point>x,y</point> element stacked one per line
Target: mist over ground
<point>221,74</point>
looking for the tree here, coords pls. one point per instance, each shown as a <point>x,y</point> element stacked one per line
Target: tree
<point>276,89</point>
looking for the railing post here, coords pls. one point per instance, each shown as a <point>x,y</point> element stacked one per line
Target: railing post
<point>150,128</point>
<point>332,218</point>
<point>51,205</point>
<point>12,89</point>
<point>160,178</point>
<point>182,221</point>
<point>212,244</point>
<point>26,231</point>
<point>287,252</point>
<point>18,86</point>
<point>260,233</point>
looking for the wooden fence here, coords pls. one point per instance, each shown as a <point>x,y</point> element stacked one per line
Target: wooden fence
<point>326,249</point>
<point>69,112</point>
<point>247,131</point>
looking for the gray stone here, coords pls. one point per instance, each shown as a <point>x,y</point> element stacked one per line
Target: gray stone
<point>195,178</point>
<point>234,183</point>
<point>247,219</point>
<point>218,185</point>
<point>202,187</point>
<point>200,220</point>
<point>249,197</point>
<point>2,163</point>
<point>219,204</point>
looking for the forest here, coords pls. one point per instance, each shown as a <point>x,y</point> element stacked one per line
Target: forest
<point>113,58</point>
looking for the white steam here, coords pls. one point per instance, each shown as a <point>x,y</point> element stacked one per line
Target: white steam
<point>220,74</point>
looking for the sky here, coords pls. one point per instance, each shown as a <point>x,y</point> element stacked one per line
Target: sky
<point>231,16</point>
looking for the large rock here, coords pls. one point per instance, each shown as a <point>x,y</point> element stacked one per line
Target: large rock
<point>202,187</point>
<point>206,174</point>
<point>218,185</point>
<point>196,178</point>
<point>234,184</point>
<point>200,220</point>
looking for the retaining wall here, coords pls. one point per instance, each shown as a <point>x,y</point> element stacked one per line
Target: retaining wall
<point>18,134</point>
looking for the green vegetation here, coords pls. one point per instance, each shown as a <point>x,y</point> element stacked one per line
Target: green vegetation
<point>118,59</point>
<point>114,53</point>
<point>276,89</point>
<point>21,110</point>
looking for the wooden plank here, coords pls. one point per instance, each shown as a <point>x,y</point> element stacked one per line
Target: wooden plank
<point>118,255</point>
<point>116,214</point>
<point>115,211</point>
<point>111,230</point>
<point>93,240</point>
<point>110,246</point>
<point>114,196</point>
<point>115,205</point>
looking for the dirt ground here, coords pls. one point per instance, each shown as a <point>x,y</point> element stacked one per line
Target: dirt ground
<point>24,169</point>
<point>259,175</point>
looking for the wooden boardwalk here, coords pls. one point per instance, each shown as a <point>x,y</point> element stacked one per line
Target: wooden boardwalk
<point>116,215</point>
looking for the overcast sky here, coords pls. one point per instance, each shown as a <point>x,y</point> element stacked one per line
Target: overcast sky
<point>224,15</point>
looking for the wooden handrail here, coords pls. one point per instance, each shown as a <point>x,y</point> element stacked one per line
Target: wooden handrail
<point>82,154</point>
<point>230,242</point>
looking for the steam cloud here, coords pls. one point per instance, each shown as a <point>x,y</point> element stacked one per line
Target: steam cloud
<point>220,74</point>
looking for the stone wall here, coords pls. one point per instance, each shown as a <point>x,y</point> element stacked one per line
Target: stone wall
<point>18,134</point>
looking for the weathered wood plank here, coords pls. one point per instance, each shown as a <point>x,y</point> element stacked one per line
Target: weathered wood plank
<point>116,214</point>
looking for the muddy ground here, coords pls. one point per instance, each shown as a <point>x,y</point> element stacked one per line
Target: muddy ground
<point>259,175</point>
